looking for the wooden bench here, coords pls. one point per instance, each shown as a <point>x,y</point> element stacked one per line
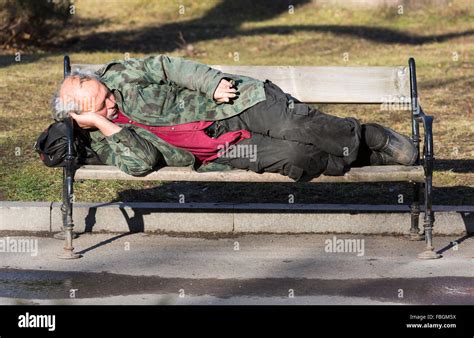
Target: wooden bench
<point>390,86</point>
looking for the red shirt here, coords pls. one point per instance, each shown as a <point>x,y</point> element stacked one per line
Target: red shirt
<point>191,137</point>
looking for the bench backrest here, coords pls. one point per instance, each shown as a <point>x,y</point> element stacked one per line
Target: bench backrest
<point>390,85</point>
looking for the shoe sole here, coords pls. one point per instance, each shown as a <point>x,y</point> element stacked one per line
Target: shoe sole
<point>394,151</point>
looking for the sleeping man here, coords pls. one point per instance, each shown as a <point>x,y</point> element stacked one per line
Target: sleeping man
<point>144,114</point>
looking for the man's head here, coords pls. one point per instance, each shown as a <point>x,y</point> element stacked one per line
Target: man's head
<point>81,93</point>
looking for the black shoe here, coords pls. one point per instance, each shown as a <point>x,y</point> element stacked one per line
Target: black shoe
<point>376,158</point>
<point>374,135</point>
<point>399,149</point>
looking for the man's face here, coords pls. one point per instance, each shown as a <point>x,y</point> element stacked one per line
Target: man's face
<point>91,95</point>
<point>105,104</point>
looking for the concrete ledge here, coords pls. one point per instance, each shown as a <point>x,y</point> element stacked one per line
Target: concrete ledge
<point>119,217</point>
<point>227,218</point>
<point>25,216</point>
<point>447,223</point>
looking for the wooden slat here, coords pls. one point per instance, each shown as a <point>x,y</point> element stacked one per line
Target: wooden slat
<point>364,174</point>
<point>327,84</point>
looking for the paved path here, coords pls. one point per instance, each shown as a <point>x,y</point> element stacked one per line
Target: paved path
<point>250,269</point>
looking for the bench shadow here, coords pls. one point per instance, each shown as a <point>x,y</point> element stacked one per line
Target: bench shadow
<point>455,166</point>
<point>468,218</point>
<point>100,244</point>
<point>317,193</point>
<point>135,224</point>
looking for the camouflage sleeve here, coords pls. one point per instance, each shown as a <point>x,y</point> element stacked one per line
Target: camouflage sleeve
<point>129,152</point>
<point>185,73</point>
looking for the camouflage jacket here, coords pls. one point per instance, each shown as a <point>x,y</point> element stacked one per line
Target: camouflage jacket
<point>160,91</point>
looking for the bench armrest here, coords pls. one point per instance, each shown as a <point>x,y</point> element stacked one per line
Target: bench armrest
<point>428,151</point>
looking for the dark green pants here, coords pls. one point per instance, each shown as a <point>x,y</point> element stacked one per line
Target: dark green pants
<point>293,139</point>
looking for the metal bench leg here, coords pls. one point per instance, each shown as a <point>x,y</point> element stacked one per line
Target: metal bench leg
<point>61,235</point>
<point>68,224</point>
<point>415,234</point>
<point>429,253</point>
<point>66,208</point>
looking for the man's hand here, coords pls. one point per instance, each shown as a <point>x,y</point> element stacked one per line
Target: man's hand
<point>86,120</point>
<point>92,120</point>
<point>225,91</point>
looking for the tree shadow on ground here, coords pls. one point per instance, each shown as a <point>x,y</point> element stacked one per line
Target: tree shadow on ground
<point>225,21</point>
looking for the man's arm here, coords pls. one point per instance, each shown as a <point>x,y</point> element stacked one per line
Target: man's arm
<point>122,147</point>
<point>186,73</point>
<point>106,127</point>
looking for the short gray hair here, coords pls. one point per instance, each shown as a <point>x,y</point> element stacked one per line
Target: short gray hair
<point>60,110</point>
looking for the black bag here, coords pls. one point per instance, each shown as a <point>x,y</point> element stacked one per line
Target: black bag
<point>52,146</point>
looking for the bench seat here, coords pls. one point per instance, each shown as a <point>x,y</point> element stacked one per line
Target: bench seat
<point>388,173</point>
